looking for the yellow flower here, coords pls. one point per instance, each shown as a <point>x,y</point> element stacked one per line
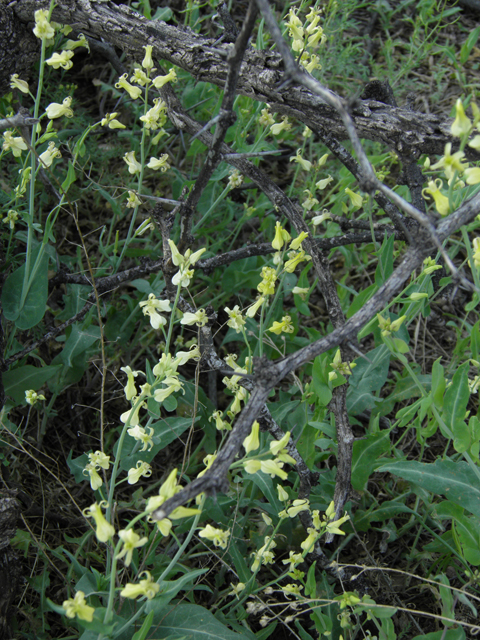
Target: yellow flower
<point>284,326</point>
<point>159,81</point>
<point>105,530</point>
<point>16,83</point>
<point>476,253</point>
<point>199,318</point>
<point>252,442</point>
<point>63,60</point>
<point>297,242</point>
<point>295,258</point>
<point>133,92</point>
<point>285,125</point>
<point>450,163</point>
<point>142,468</point>
<point>473,175</point>
<point>441,202</point>
<point>147,587</point>
<point>133,165</point>
<point>430,266</point>
<point>95,479</point>
<point>273,468</point>
<point>323,184</point>
<point>355,198</point>
<point>77,606</point>
<point>266,119</point>
<point>56,110</point>
<point>16,144</point>
<point>130,389</point>
<point>70,45</point>
<point>281,237</point>
<point>159,163</point>
<point>325,215</point>
<point>236,589</point>
<point>297,507</point>
<point>151,308</point>
<point>309,201</point>
<point>305,164</point>
<point>139,77</point>
<point>251,311</point>
<point>134,201</point>
<point>32,397</point>
<point>142,436</point>
<point>269,277</point>
<point>345,368</point>
<point>217,536</point>
<point>131,541</point>
<point>147,62</point>
<point>111,122</point>
<point>462,125</point>
<point>236,321</point>
<point>50,154</point>
<point>156,116</point>
<point>282,494</point>
<point>43,29</point>
<point>11,217</point>
<point>415,297</point>
<point>235,179</point>
<point>252,466</point>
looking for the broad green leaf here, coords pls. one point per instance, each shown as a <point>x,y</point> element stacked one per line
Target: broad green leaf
<point>70,178</point>
<point>385,264</point>
<point>29,313</point>
<point>359,301</point>
<point>77,342</point>
<point>170,588</point>
<point>438,383</point>
<point>456,400</point>
<point>468,45</point>
<point>368,376</point>
<point>195,622</point>
<point>469,538</point>
<point>142,633</point>
<point>17,381</point>
<point>267,487</point>
<point>365,458</point>
<point>320,380</point>
<point>455,480</point>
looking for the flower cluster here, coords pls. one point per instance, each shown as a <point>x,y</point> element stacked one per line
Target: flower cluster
<point>344,368</point>
<point>168,489</point>
<point>306,38</point>
<point>184,275</point>
<point>273,466</point>
<point>97,460</point>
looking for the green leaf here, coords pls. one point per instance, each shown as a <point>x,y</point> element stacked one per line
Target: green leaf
<point>455,402</point>
<point>77,342</point>
<point>368,376</point>
<point>468,45</point>
<point>28,313</point>
<point>365,458</point>
<point>265,484</point>
<point>145,628</point>
<point>195,622</point>
<point>455,480</point>
<point>320,379</point>
<point>70,179</point>
<point>438,383</point>
<point>17,381</point>
<point>385,264</point>
<point>359,301</point>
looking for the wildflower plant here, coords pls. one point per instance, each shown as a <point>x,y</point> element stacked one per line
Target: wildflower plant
<point>239,394</point>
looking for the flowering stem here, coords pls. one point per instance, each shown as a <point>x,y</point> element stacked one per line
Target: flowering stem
<point>139,184</point>
<point>172,318</point>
